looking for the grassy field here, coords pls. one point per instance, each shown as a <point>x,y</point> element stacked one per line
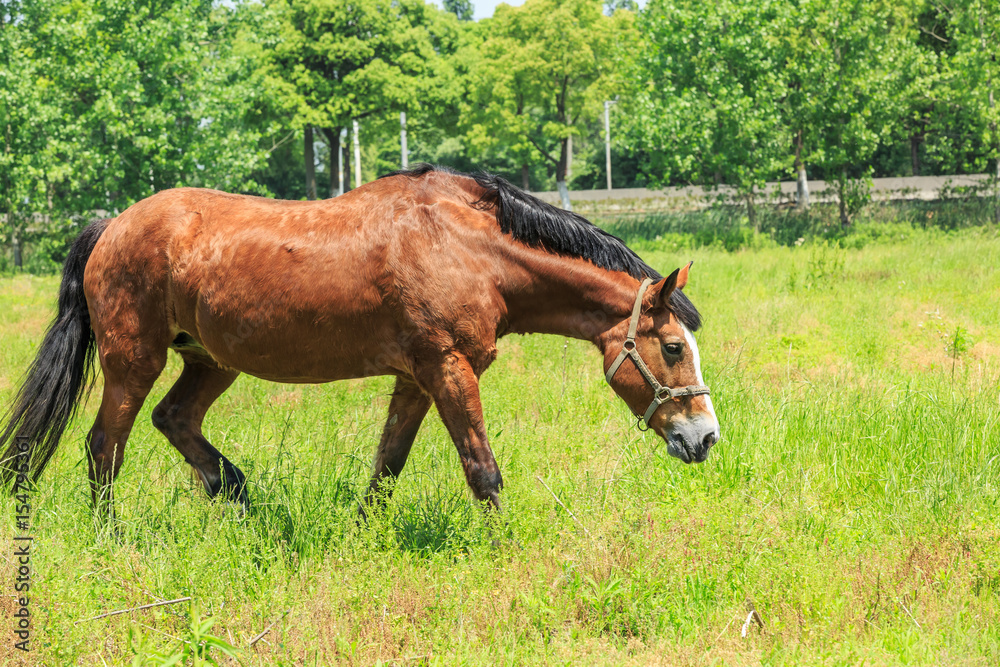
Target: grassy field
<point>853,498</point>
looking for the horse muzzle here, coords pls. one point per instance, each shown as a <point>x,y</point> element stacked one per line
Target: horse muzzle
<point>690,439</point>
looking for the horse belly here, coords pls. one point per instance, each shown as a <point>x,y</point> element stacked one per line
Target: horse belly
<point>293,316</point>
<point>300,351</point>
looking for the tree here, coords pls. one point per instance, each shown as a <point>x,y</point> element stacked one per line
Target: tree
<point>708,94</point>
<point>460,8</point>
<point>338,62</point>
<point>850,67</point>
<point>25,108</point>
<point>970,82</point>
<point>117,99</point>
<point>612,6</point>
<point>542,70</point>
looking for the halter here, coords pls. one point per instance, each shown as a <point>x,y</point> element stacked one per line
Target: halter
<point>661,394</point>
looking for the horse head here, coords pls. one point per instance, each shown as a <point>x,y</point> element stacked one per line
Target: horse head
<point>652,363</point>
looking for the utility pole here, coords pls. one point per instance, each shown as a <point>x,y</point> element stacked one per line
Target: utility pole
<point>607,139</point>
<point>357,157</point>
<point>405,157</point>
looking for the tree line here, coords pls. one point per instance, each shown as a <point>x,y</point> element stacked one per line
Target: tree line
<point>103,102</point>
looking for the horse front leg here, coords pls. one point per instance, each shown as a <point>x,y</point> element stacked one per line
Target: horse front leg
<point>454,386</point>
<point>407,410</point>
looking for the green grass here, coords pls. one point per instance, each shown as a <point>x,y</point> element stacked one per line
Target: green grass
<point>853,497</point>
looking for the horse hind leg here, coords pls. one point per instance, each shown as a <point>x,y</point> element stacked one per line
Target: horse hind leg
<point>130,369</point>
<point>407,409</point>
<point>179,417</point>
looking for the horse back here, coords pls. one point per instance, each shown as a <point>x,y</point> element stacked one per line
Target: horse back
<point>373,274</point>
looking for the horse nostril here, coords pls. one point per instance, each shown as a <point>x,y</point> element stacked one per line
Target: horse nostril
<point>710,439</point>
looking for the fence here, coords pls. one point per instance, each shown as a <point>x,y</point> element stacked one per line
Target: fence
<point>637,200</point>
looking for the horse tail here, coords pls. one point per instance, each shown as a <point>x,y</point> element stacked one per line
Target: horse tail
<point>58,377</point>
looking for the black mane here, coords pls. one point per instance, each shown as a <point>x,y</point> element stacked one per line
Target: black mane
<point>537,224</point>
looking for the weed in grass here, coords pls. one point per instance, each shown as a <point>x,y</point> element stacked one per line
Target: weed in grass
<point>958,345</point>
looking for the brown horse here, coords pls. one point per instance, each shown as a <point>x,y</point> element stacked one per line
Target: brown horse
<point>415,275</point>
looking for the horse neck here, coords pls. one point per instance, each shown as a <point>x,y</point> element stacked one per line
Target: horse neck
<point>545,293</point>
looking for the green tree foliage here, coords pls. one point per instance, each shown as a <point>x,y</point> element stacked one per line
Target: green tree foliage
<point>541,72</point>
<point>25,107</point>
<point>460,8</point>
<point>336,62</point>
<point>850,67</point>
<point>739,93</point>
<point>970,83</point>
<point>708,95</point>
<point>611,6</point>
<point>109,101</point>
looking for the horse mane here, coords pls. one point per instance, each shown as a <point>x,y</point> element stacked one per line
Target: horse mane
<point>540,225</point>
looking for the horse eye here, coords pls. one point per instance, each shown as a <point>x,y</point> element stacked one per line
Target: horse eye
<point>672,349</point>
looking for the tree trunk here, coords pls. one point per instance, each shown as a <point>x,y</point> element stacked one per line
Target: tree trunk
<point>992,105</point>
<point>18,264</point>
<point>404,152</point>
<point>347,168</point>
<point>802,188</point>
<point>525,177</point>
<point>915,154</point>
<point>310,160</point>
<point>357,156</point>
<point>845,220</point>
<point>561,176</point>
<point>752,212</point>
<point>569,158</point>
<point>333,141</point>
<point>996,186</point>
<point>996,182</point>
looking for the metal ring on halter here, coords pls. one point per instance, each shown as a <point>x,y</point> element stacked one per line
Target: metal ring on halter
<point>661,394</point>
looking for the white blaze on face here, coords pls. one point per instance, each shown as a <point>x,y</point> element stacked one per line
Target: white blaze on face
<point>689,337</point>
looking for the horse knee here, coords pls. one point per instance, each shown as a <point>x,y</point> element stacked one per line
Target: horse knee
<point>95,447</point>
<point>105,458</point>
<point>164,418</point>
<point>95,441</point>
<point>160,419</point>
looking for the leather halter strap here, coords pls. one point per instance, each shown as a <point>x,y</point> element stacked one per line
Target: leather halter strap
<point>661,394</point>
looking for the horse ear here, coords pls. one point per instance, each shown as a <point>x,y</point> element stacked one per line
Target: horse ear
<point>682,275</point>
<point>659,294</point>
<point>661,291</point>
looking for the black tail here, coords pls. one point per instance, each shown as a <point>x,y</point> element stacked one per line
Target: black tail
<point>59,375</point>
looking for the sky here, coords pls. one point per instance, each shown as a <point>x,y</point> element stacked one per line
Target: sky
<point>484,8</point>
